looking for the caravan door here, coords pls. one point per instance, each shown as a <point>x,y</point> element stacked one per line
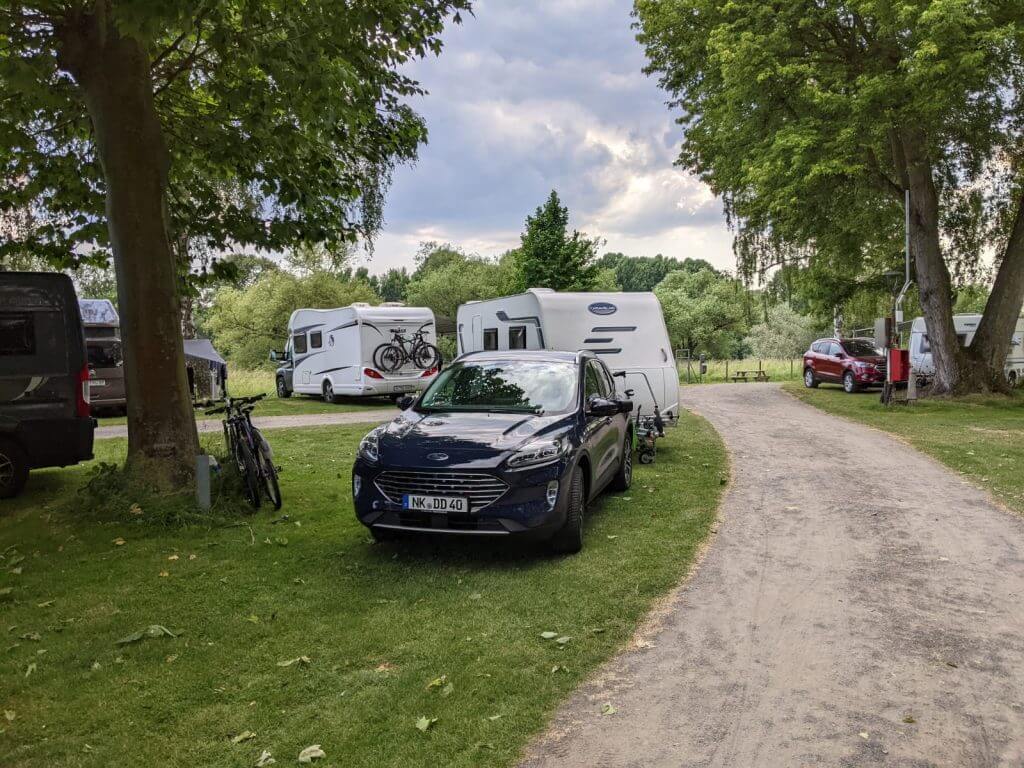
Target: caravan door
<point>477,333</point>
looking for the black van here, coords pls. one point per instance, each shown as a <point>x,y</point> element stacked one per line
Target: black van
<point>44,378</point>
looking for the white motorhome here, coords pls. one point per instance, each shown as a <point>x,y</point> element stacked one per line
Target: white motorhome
<point>921,355</point>
<point>330,351</point>
<point>626,329</point>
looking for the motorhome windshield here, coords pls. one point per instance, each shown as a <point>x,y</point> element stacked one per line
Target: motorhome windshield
<point>860,348</point>
<point>503,385</point>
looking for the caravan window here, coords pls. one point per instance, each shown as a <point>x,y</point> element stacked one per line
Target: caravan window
<point>316,339</point>
<point>17,335</point>
<point>517,337</point>
<point>490,338</point>
<point>299,343</point>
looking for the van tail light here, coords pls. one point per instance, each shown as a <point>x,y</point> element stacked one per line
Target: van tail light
<point>83,396</point>
<point>429,372</point>
<point>371,374</point>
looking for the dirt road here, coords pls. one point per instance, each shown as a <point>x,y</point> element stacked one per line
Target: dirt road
<point>279,422</point>
<point>859,605</point>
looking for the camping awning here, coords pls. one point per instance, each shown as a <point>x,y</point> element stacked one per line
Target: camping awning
<point>203,350</point>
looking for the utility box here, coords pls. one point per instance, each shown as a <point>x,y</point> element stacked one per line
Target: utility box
<point>899,364</point>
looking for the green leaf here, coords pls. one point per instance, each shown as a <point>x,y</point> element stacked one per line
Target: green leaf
<point>425,723</point>
<point>549,635</point>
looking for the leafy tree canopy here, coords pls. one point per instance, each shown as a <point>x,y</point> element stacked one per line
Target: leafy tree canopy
<point>705,312</point>
<point>550,257</point>
<point>784,333</point>
<point>458,279</point>
<point>642,273</point>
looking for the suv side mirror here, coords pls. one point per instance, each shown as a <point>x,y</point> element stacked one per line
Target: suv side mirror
<point>625,406</point>
<point>405,402</point>
<point>273,356</point>
<point>599,406</point>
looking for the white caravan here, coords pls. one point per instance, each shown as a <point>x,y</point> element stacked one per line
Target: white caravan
<point>626,329</point>
<point>921,355</point>
<point>330,351</point>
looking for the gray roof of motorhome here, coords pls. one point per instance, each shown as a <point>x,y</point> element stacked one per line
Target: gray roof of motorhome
<point>202,349</point>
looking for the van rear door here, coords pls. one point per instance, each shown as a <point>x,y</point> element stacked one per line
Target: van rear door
<point>106,375</point>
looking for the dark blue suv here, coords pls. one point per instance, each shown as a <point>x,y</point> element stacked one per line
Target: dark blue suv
<point>501,443</point>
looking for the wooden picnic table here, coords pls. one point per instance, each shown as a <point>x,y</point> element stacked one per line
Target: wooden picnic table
<point>758,375</point>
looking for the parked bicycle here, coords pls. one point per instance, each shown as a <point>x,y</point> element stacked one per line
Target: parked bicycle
<point>392,355</point>
<point>250,450</point>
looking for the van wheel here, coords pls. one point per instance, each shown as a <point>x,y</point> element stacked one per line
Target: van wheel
<point>849,383</point>
<point>13,469</point>
<point>624,477</point>
<point>329,396</point>
<point>809,381</point>
<point>282,388</point>
<point>569,538</point>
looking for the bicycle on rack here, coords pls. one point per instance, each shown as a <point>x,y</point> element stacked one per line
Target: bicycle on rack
<point>392,355</point>
<point>250,450</point>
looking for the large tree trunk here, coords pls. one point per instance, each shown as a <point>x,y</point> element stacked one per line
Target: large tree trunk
<point>933,280</point>
<point>992,340</point>
<point>113,73</point>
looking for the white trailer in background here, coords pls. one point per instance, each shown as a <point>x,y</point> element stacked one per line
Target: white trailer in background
<point>922,366</point>
<point>330,351</point>
<point>626,329</point>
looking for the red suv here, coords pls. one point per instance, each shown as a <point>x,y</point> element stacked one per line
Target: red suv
<point>854,363</point>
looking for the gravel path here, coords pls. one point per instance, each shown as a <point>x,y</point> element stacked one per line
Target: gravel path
<point>279,422</point>
<point>859,605</point>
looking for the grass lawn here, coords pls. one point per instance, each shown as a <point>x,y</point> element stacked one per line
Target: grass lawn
<point>305,632</point>
<point>778,369</point>
<point>242,383</point>
<point>983,438</point>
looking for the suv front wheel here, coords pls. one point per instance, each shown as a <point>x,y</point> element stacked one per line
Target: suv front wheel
<point>13,469</point>
<point>809,381</point>
<point>569,538</point>
<point>849,383</point>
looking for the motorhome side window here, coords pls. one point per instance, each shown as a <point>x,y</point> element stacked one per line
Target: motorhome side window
<point>316,339</point>
<point>299,343</point>
<point>17,335</point>
<point>517,337</point>
<point>490,338</point>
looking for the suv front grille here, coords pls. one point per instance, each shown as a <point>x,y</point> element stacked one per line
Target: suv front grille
<point>480,489</point>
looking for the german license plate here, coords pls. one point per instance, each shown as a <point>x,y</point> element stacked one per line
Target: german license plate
<point>404,387</point>
<point>435,503</point>
<point>97,382</point>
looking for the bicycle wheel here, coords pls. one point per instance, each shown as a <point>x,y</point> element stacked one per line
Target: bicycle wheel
<point>267,469</point>
<point>391,358</point>
<point>426,356</point>
<point>250,473</point>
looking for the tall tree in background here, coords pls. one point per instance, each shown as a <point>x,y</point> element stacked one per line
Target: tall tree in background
<point>124,122</point>
<point>642,273</point>
<point>705,312</point>
<point>393,284</point>
<point>550,257</point>
<point>812,118</point>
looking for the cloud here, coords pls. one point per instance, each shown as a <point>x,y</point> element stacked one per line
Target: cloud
<point>532,96</point>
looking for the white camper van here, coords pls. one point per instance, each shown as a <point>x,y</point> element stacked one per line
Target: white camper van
<point>921,354</point>
<point>626,329</point>
<point>330,351</point>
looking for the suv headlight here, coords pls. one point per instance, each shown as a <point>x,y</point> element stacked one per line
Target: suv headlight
<point>541,451</point>
<point>369,446</point>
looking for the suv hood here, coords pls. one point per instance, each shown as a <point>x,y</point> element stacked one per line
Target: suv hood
<point>465,439</point>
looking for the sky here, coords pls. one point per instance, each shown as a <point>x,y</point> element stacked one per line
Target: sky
<point>534,95</point>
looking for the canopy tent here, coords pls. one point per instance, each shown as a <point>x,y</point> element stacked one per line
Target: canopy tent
<point>207,370</point>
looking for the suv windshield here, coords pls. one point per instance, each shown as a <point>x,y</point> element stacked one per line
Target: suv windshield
<point>860,348</point>
<point>503,385</point>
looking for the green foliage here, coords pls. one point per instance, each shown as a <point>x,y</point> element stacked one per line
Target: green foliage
<point>643,273</point>
<point>971,299</point>
<point>283,120</point>
<point>247,323</point>
<point>705,312</point>
<point>549,257</point>
<point>392,285</point>
<point>784,334</point>
<point>455,279</point>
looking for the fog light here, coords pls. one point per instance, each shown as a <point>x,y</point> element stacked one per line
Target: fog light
<point>552,494</point>
<point>357,484</point>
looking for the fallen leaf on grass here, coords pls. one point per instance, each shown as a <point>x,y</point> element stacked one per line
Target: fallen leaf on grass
<point>171,659</point>
<point>164,574</point>
<point>863,734</point>
<point>35,636</point>
<point>311,753</point>
<point>6,591</point>
<point>613,537</point>
<point>909,720</point>
<point>30,669</point>
<point>475,596</point>
<point>253,618</point>
<point>9,715</point>
<point>563,640</point>
<point>492,718</point>
<point>608,709</point>
<point>265,759</point>
<point>437,682</point>
<point>153,630</point>
<point>96,666</point>
<point>135,509</point>
<point>243,736</point>
<point>384,666</point>
<point>447,690</point>
<point>172,557</point>
<point>425,723</point>
<point>557,668</point>
<point>549,635</point>
<point>45,604</point>
<point>303,660</point>
<point>192,557</point>
<point>118,542</point>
